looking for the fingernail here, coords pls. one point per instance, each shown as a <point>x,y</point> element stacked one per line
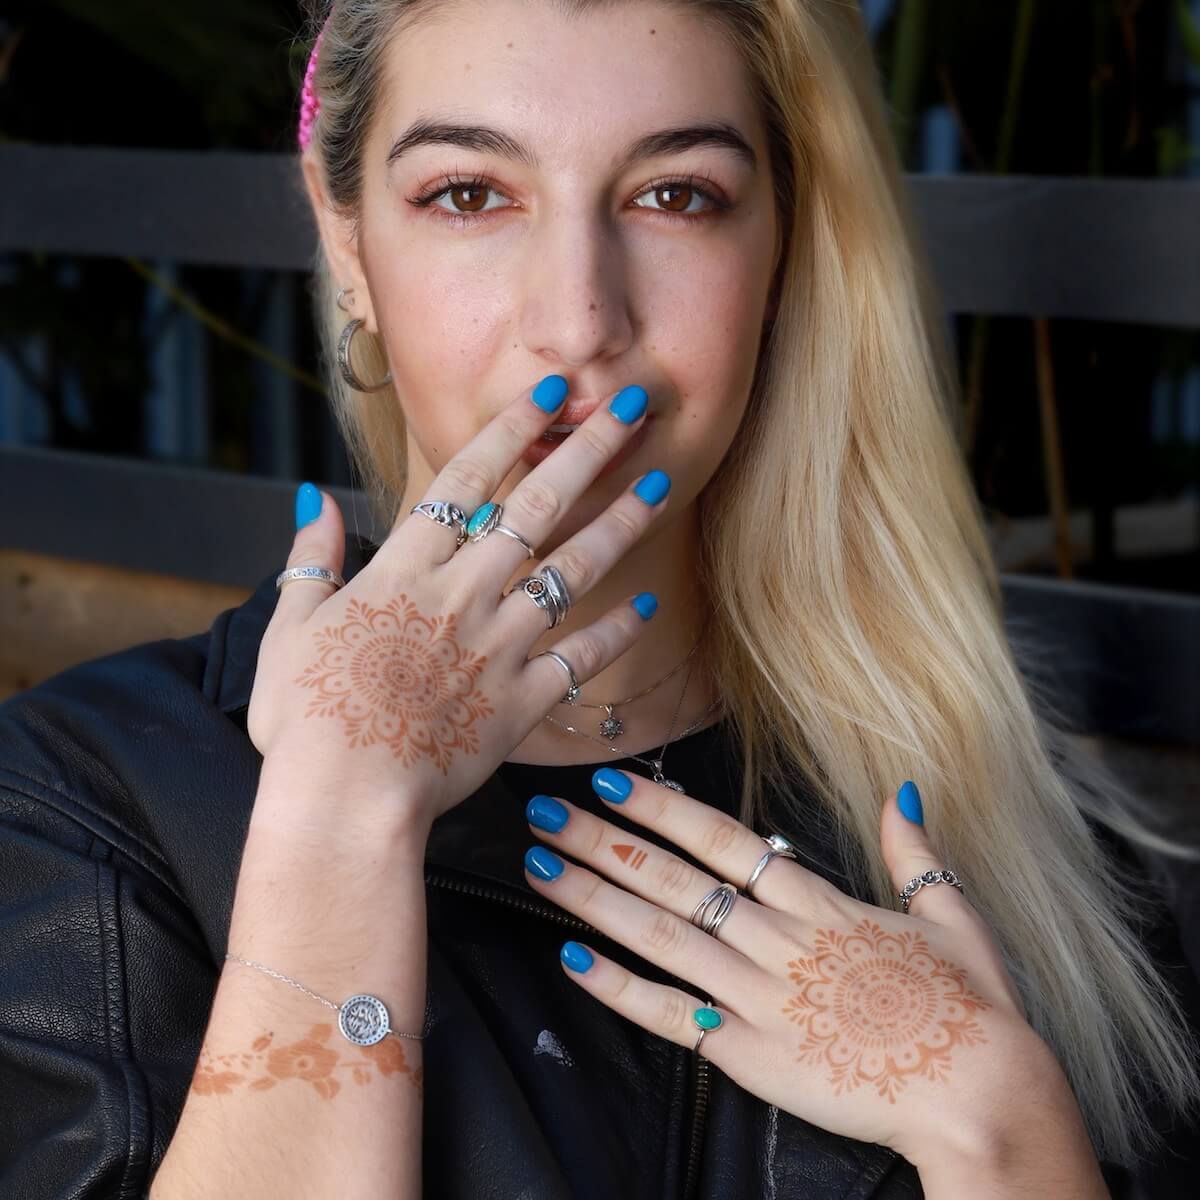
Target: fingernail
<point>653,487</point>
<point>550,393</point>
<point>543,863</point>
<point>577,957</point>
<point>545,812</point>
<point>611,785</point>
<point>646,604</point>
<point>308,504</point>
<point>628,404</point>
<point>908,801</point>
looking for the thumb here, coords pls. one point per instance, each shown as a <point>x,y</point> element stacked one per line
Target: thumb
<point>320,542</point>
<point>908,852</point>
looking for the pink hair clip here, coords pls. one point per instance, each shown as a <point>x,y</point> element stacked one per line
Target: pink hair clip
<point>310,104</point>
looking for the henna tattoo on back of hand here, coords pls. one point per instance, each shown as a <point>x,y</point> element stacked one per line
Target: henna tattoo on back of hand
<point>881,1008</point>
<point>395,676</point>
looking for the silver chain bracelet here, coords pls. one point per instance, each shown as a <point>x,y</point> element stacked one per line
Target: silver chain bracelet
<point>362,1019</point>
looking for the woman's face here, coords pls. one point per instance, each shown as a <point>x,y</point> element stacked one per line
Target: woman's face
<point>568,255</point>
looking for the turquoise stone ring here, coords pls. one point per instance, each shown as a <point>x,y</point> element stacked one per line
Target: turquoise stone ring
<point>704,1019</point>
<point>486,519</point>
<point>483,521</point>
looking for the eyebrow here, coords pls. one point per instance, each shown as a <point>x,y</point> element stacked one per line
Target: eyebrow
<point>429,131</point>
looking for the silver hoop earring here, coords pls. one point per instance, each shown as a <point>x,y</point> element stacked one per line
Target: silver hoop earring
<point>343,360</point>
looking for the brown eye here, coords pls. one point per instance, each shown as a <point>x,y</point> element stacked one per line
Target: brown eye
<point>465,189</point>
<point>674,190</point>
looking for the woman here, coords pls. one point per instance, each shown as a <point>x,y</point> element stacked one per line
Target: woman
<point>628,290</point>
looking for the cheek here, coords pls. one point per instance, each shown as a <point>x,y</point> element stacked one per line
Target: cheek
<point>446,330</point>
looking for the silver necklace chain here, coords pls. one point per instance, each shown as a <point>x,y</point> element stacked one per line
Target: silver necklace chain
<point>612,726</point>
<point>655,763</point>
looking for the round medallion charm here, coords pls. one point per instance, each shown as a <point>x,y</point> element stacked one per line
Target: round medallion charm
<point>363,1020</point>
<point>535,588</point>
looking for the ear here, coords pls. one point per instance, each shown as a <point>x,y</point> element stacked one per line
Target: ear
<point>339,241</point>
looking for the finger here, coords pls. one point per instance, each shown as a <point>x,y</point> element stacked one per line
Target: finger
<point>320,542</point>
<point>665,1011</point>
<point>536,505</point>
<point>714,839</point>
<point>477,470</point>
<point>588,650</point>
<point>657,875</point>
<point>586,557</point>
<point>908,853</point>
<point>670,942</point>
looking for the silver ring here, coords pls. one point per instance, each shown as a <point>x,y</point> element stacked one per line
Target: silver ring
<point>917,882</point>
<point>486,519</point>
<point>558,586</point>
<point>780,848</point>
<point>723,896</point>
<point>324,574</point>
<point>445,513</point>
<point>705,1028</point>
<point>572,693</point>
<point>546,588</point>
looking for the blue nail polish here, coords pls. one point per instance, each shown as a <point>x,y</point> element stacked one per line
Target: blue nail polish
<point>629,404</point>
<point>543,863</point>
<point>550,393</point>
<point>611,785</point>
<point>646,604</point>
<point>545,812</point>
<point>308,504</point>
<point>578,958</point>
<point>653,487</point>
<point>908,801</point>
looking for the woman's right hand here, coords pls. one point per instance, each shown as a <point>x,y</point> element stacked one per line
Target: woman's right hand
<point>399,694</point>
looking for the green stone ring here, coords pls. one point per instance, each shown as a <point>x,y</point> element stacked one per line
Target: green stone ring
<point>705,1019</point>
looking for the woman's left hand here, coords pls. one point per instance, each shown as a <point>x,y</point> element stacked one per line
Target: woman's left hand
<point>904,1030</point>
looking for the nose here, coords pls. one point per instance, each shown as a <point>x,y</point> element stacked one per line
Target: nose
<point>575,300</point>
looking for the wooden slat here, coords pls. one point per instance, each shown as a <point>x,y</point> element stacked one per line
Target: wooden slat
<point>57,612</point>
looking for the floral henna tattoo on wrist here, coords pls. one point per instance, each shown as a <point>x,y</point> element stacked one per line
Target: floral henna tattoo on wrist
<point>309,1061</point>
<point>395,676</point>
<point>881,1008</point>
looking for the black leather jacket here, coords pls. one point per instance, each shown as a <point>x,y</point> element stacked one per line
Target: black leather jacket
<point>126,785</point>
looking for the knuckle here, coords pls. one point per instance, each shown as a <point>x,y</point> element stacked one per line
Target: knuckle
<point>577,568</point>
<point>587,653</point>
<point>589,890</point>
<point>467,477</point>
<point>593,441</point>
<point>665,933</point>
<point>628,527</point>
<point>675,877</point>
<point>674,1009</point>
<point>539,500</point>
<point>720,837</point>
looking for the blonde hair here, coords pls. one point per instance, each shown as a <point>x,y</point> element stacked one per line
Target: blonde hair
<point>858,632</point>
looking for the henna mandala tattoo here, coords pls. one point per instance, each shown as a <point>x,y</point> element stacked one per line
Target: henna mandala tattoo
<point>309,1061</point>
<point>881,1008</point>
<point>394,676</point>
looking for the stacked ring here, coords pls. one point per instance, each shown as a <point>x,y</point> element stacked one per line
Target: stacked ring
<point>445,513</point>
<point>548,590</point>
<point>486,519</point>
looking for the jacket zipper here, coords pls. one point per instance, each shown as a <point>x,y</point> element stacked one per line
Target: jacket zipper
<point>700,1089</point>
